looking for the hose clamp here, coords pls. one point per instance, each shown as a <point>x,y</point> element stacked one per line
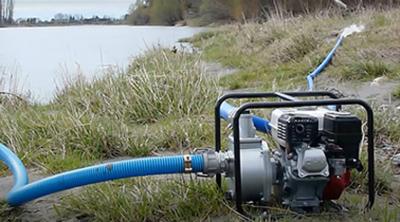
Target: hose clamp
<point>188,163</point>
<point>213,162</point>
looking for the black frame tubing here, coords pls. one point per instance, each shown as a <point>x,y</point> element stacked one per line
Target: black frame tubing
<point>287,104</point>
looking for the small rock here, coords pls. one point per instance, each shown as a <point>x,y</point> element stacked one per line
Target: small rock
<point>378,81</point>
<point>396,159</point>
<point>387,148</point>
<point>398,108</point>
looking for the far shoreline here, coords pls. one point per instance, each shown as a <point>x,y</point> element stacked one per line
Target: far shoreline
<point>122,22</point>
<point>90,24</point>
<point>62,25</point>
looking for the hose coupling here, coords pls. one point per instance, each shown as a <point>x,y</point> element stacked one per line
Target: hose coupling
<point>188,163</point>
<point>214,162</point>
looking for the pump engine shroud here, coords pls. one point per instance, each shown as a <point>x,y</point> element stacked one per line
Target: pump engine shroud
<point>291,101</point>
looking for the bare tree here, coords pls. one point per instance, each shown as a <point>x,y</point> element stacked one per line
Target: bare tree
<point>1,13</point>
<point>6,11</point>
<point>10,11</point>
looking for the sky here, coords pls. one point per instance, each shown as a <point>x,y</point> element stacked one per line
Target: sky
<point>46,9</point>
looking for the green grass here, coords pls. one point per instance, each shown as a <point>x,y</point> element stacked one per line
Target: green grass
<point>159,105</point>
<point>3,207</point>
<point>199,200</point>
<point>281,52</point>
<point>386,133</point>
<point>366,70</point>
<point>7,214</point>
<point>383,177</point>
<point>396,92</point>
<point>148,200</point>
<point>386,125</point>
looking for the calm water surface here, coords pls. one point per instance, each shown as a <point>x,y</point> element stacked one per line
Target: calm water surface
<point>40,58</point>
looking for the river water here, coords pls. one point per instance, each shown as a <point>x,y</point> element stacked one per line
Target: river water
<point>37,60</point>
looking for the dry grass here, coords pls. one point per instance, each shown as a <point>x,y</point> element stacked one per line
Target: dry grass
<point>148,200</point>
<point>159,85</point>
<point>158,105</point>
<point>279,52</point>
<point>396,93</point>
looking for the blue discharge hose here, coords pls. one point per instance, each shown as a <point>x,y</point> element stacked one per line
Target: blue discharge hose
<point>324,64</point>
<point>262,124</point>
<point>23,192</point>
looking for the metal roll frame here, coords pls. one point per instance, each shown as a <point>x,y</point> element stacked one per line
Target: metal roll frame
<point>290,102</point>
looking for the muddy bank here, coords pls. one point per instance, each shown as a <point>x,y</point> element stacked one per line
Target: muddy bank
<point>378,91</point>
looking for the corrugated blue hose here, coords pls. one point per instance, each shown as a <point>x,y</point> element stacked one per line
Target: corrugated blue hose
<point>23,192</point>
<point>262,124</point>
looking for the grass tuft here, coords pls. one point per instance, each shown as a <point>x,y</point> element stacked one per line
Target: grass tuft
<point>156,86</point>
<point>148,200</point>
<point>296,48</point>
<point>396,92</point>
<point>366,70</point>
<point>159,104</point>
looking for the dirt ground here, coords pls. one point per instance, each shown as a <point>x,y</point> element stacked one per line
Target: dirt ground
<point>38,210</point>
<point>379,91</point>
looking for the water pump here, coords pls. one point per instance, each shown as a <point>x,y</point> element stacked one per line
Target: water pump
<point>316,147</point>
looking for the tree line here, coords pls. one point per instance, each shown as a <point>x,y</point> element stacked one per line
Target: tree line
<point>203,12</point>
<point>168,12</point>
<point>68,19</point>
<point>6,11</point>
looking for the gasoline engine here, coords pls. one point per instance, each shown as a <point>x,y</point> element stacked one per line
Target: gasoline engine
<point>315,150</point>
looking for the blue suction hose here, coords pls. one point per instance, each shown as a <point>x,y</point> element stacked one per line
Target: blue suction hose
<point>16,167</point>
<point>23,192</point>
